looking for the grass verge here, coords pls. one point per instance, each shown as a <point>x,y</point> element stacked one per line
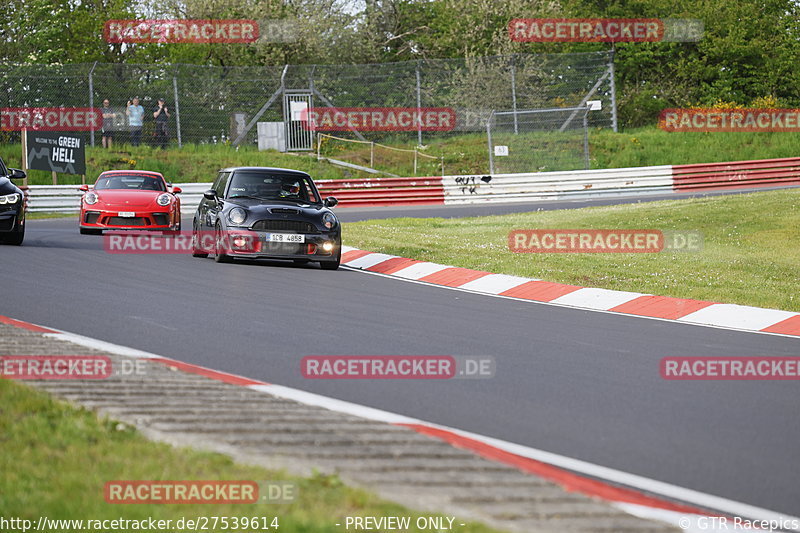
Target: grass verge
<point>57,458</point>
<point>751,253</point>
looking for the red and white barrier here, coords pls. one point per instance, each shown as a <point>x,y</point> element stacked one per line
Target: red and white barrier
<point>503,188</point>
<point>536,186</point>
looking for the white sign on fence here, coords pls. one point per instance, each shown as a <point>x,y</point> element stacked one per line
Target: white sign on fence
<point>500,150</point>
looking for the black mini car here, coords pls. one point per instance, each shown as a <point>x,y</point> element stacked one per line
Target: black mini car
<point>12,206</point>
<point>269,213</point>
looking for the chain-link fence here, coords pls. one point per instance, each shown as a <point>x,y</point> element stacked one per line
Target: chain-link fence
<point>224,104</point>
<point>538,140</point>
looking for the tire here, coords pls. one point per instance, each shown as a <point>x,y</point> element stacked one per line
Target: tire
<point>15,236</point>
<point>220,256</point>
<point>332,265</point>
<point>196,250</point>
<point>91,231</point>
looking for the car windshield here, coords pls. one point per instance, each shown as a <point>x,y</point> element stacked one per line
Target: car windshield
<point>269,186</point>
<point>130,182</point>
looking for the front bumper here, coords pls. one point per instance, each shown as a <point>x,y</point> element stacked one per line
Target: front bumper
<point>8,217</point>
<point>142,220</point>
<point>255,246</point>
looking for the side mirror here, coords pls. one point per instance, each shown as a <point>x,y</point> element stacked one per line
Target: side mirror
<point>330,201</point>
<point>17,174</point>
<point>83,188</point>
<point>177,190</point>
<point>210,194</point>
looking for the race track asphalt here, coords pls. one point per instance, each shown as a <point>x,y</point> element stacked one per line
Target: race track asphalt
<point>578,383</point>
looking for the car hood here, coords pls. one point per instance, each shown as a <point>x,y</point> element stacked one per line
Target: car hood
<point>262,209</point>
<point>128,198</point>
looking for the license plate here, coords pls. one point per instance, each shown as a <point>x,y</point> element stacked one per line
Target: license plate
<point>127,214</point>
<point>285,237</point>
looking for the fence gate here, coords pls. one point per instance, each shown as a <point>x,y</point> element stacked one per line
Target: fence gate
<point>298,135</point>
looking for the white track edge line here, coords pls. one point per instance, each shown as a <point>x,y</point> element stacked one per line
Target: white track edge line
<point>669,320</point>
<point>667,490</point>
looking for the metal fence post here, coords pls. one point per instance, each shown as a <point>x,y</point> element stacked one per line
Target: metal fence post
<point>586,140</point>
<point>489,140</point>
<point>514,90</point>
<point>419,107</point>
<point>613,92</point>
<point>177,110</point>
<point>372,154</point>
<point>91,97</point>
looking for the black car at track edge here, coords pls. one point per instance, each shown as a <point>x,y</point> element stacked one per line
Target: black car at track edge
<point>267,213</point>
<point>12,206</point>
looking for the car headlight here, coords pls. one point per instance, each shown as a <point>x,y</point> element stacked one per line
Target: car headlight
<point>9,198</point>
<point>237,215</point>
<point>329,220</point>
<point>90,198</point>
<point>164,199</point>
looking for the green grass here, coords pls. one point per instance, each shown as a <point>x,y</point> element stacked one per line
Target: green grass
<point>57,458</point>
<point>652,146</point>
<point>50,214</point>
<point>463,154</point>
<point>192,163</point>
<point>751,251</point>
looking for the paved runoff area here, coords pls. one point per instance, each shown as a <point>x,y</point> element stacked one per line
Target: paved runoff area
<point>191,406</point>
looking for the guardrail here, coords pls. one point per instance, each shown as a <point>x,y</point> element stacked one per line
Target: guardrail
<point>736,175</point>
<point>384,191</point>
<point>555,185</point>
<point>500,187</point>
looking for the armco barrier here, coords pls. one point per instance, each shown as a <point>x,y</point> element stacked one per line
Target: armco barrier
<point>384,191</point>
<point>501,187</point>
<point>737,175</point>
<point>555,185</point>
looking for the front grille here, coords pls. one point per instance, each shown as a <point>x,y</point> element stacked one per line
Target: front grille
<point>122,221</point>
<point>161,219</point>
<point>296,226</point>
<point>91,217</point>
<point>284,211</point>
<point>283,248</point>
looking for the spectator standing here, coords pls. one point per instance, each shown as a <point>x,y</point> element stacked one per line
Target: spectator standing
<point>135,114</point>
<point>161,114</point>
<point>109,115</point>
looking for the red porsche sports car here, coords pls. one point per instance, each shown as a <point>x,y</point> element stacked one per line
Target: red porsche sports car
<point>130,199</point>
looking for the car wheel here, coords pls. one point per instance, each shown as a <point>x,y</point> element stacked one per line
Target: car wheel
<point>15,237</point>
<point>196,250</point>
<point>219,254</point>
<point>332,265</point>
